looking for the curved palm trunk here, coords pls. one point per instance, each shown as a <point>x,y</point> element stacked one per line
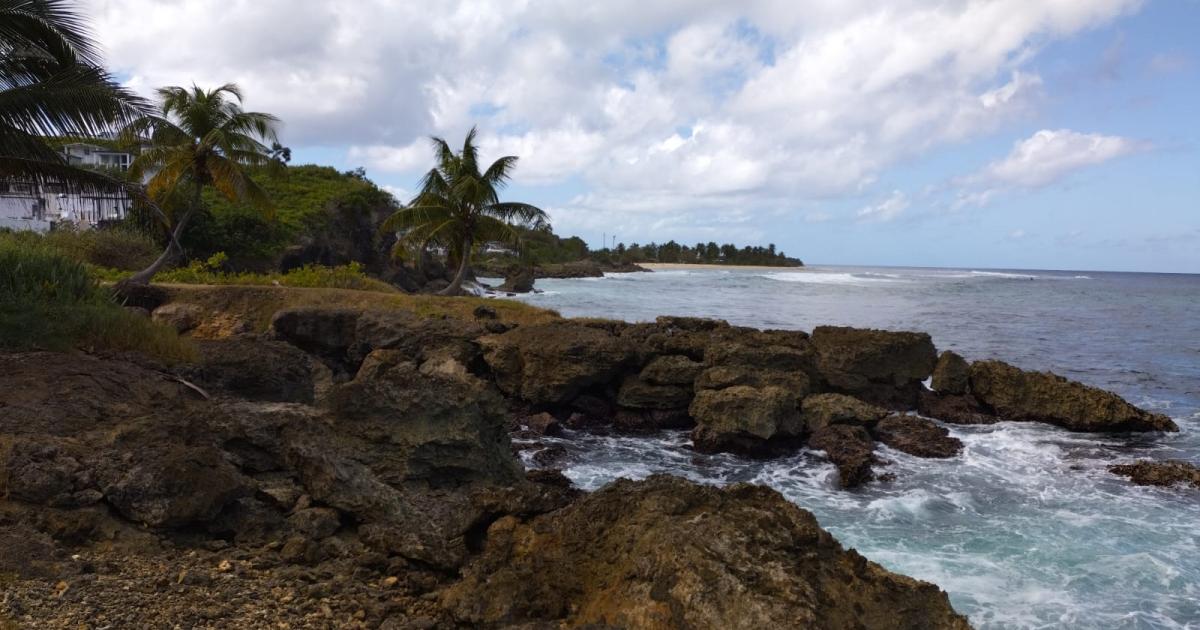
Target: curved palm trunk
<point>173,247</point>
<point>464,265</point>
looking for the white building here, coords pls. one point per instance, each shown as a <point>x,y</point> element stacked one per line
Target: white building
<point>83,154</point>
<point>33,206</point>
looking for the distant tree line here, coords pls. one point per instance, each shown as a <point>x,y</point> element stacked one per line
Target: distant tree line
<point>701,253</point>
<point>543,246</point>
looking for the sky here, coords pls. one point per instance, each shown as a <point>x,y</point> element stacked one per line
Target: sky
<point>1038,134</point>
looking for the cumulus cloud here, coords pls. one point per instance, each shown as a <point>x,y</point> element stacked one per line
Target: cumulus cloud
<point>1049,155</point>
<point>696,109</point>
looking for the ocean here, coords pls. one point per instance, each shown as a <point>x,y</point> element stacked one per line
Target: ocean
<point>1025,529</point>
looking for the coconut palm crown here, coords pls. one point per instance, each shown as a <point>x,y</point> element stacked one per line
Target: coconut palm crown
<point>202,138</point>
<point>52,84</point>
<point>459,207</point>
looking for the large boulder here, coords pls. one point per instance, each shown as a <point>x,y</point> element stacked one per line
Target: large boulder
<point>917,436</point>
<point>878,366</point>
<point>952,374</point>
<point>668,553</point>
<point>749,420</point>
<point>822,410</point>
<point>181,316</point>
<point>555,362</point>
<point>162,484</point>
<point>1015,394</point>
<point>518,280</point>
<point>850,449</point>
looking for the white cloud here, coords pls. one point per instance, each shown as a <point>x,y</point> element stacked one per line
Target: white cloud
<point>1049,155</point>
<point>886,210</point>
<point>756,106</point>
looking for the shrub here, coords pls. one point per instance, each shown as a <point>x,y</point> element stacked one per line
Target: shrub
<point>49,301</point>
<point>115,247</point>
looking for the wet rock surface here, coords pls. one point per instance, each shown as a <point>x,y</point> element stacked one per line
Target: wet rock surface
<point>1165,473</point>
<point>917,436</point>
<point>851,450</point>
<point>954,408</point>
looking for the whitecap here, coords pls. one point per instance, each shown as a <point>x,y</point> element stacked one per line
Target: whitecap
<point>813,277</point>
<point>1001,274</point>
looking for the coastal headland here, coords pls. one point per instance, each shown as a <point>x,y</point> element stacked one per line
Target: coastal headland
<point>333,459</point>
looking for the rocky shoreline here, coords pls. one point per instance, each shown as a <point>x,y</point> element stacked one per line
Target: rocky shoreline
<point>353,468</point>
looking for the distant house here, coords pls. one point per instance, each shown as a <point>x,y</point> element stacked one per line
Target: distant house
<point>84,154</point>
<point>37,206</point>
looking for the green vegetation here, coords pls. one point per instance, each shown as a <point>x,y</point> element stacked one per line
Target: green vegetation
<point>202,139</point>
<point>49,301</point>
<point>116,248</point>
<point>542,246</point>
<point>313,205</point>
<point>702,253</point>
<point>209,271</point>
<point>51,84</point>
<point>458,207</point>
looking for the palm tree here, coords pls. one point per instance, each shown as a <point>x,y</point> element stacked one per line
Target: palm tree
<point>202,138</point>
<point>52,84</point>
<point>458,207</point>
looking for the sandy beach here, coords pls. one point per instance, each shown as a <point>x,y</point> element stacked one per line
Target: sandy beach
<point>666,266</point>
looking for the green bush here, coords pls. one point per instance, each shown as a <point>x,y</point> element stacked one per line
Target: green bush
<point>115,248</point>
<point>49,301</point>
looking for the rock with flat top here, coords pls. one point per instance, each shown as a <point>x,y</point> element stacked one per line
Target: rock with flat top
<point>879,366</point>
<point>1015,394</point>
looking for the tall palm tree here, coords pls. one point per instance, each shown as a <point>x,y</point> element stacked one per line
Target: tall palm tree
<point>202,138</point>
<point>52,84</point>
<point>458,207</point>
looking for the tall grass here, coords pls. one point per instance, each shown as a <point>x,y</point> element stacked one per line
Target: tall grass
<point>111,248</point>
<point>49,301</point>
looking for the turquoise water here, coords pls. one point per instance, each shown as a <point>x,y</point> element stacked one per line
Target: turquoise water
<point>1026,529</point>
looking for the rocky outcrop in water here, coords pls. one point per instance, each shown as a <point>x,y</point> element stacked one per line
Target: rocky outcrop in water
<point>1015,394</point>
<point>1165,473</point>
<point>666,553</point>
